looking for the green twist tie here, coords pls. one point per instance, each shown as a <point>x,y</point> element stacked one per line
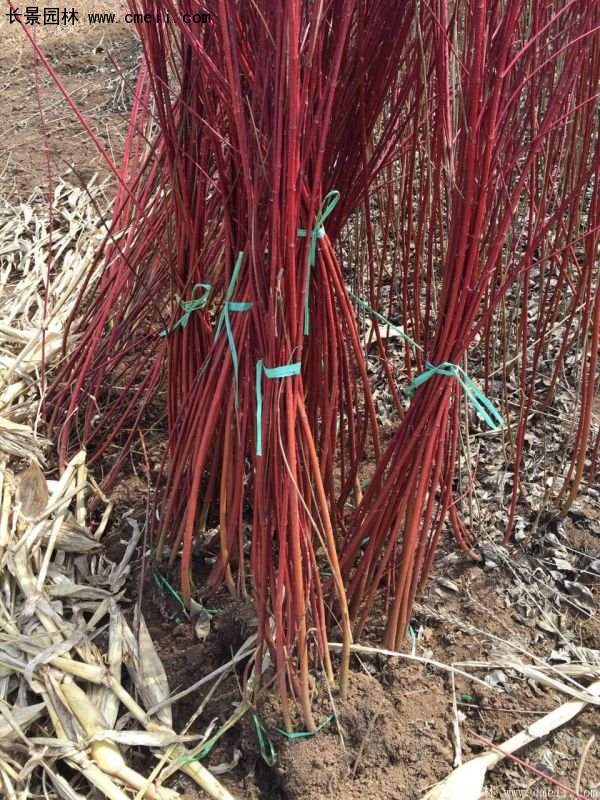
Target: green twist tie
<point>265,745</point>
<point>383,319</point>
<point>483,407</point>
<point>330,201</point>
<point>413,636</point>
<point>189,306</point>
<point>285,371</point>
<point>305,734</point>
<point>224,319</point>
<point>163,583</point>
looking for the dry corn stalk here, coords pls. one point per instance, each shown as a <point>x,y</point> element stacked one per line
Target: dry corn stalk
<point>49,611</point>
<point>466,781</point>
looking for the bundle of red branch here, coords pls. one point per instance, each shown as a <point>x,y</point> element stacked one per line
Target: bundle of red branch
<point>230,218</point>
<point>513,152</point>
<point>268,127</point>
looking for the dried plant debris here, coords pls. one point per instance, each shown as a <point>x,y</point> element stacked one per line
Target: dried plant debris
<point>34,310</point>
<point>62,694</point>
<point>32,492</point>
<point>467,780</point>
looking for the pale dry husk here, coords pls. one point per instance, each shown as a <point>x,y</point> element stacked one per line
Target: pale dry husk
<point>466,782</point>
<point>61,694</point>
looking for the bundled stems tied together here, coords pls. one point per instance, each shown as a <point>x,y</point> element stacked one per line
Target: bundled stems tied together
<point>459,138</point>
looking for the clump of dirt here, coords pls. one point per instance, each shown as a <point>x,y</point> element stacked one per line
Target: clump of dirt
<point>232,627</point>
<point>389,738</point>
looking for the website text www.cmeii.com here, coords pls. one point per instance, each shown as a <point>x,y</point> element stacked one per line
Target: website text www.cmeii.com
<point>61,16</point>
<point>540,793</point>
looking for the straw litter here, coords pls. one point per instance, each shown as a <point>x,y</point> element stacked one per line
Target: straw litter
<point>77,683</point>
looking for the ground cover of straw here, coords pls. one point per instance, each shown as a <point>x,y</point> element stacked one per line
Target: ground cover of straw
<point>398,726</point>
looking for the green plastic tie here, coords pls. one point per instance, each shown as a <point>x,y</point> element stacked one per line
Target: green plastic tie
<point>265,745</point>
<point>385,321</point>
<point>413,637</point>
<point>224,319</point>
<point>205,751</point>
<point>285,371</point>
<point>209,743</point>
<point>189,306</point>
<point>163,583</point>
<point>330,201</point>
<point>483,406</point>
<point>305,734</point>
<point>199,756</point>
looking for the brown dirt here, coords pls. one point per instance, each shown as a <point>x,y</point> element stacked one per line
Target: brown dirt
<point>95,63</point>
<point>393,736</point>
<point>373,753</point>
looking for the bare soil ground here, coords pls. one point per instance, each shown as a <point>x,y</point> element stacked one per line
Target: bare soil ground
<point>96,64</point>
<point>395,734</point>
